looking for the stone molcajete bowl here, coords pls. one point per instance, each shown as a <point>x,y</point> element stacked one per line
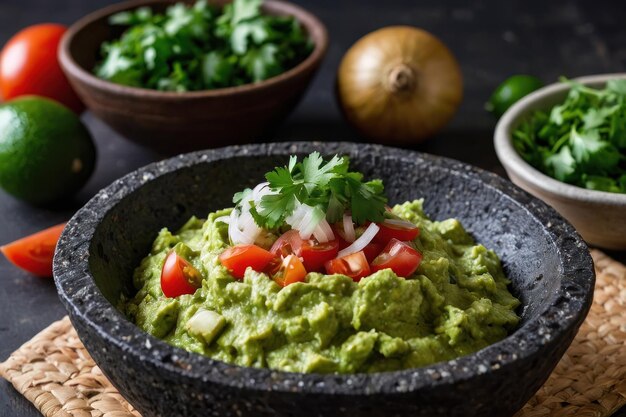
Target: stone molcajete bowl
<point>549,264</point>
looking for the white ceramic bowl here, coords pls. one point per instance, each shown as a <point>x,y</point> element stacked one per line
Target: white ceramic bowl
<point>600,217</point>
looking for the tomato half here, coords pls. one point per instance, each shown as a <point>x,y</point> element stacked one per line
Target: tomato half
<point>288,243</point>
<point>291,270</point>
<point>354,266</point>
<point>29,66</point>
<point>178,276</point>
<point>237,258</point>
<point>398,256</point>
<point>34,253</point>
<point>372,250</point>
<point>315,255</point>
<point>403,233</point>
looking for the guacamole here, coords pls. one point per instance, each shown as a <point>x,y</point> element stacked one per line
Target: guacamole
<point>456,303</point>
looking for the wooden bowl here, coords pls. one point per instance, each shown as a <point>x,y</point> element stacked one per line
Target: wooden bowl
<point>172,122</point>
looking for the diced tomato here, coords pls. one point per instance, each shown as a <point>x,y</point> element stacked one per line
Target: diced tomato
<point>178,276</point>
<point>341,241</point>
<point>398,256</point>
<point>315,255</point>
<point>354,265</point>
<point>291,270</point>
<point>237,258</point>
<point>34,253</point>
<point>392,231</point>
<point>288,243</point>
<point>372,250</point>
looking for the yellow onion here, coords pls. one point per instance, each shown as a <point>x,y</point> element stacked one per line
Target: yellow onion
<point>399,84</point>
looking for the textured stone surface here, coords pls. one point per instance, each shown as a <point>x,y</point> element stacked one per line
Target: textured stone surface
<point>549,265</point>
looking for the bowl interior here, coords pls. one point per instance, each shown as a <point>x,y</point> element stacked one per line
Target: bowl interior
<point>498,221</point>
<point>84,46</point>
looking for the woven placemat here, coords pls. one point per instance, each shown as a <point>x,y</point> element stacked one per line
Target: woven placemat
<point>55,372</point>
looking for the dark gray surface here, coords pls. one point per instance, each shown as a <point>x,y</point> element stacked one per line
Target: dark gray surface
<point>492,39</point>
<point>550,269</point>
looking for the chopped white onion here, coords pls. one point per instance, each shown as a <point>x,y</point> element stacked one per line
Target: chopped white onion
<point>242,229</point>
<point>323,232</point>
<point>296,216</point>
<point>206,323</point>
<point>310,221</point>
<point>260,190</point>
<point>361,242</point>
<point>223,219</point>
<point>400,223</point>
<point>348,228</point>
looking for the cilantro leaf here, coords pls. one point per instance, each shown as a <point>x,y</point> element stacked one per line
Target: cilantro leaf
<point>241,195</point>
<point>318,183</point>
<point>581,140</point>
<point>589,150</point>
<point>562,164</point>
<point>198,47</point>
<point>594,182</point>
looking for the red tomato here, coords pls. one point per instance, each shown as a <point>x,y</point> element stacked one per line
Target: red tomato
<point>291,270</point>
<point>288,243</point>
<point>237,258</point>
<point>354,265</point>
<point>29,66</point>
<point>178,276</point>
<point>315,255</point>
<point>391,231</point>
<point>372,250</point>
<point>34,253</point>
<point>400,257</point>
<point>342,242</point>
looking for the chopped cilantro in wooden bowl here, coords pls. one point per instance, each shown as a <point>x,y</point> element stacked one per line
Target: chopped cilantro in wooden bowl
<point>192,47</point>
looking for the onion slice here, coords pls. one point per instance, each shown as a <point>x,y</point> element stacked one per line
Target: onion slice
<point>310,221</point>
<point>223,219</point>
<point>260,190</point>
<point>361,242</point>
<point>400,223</point>
<point>296,216</point>
<point>323,232</point>
<point>348,228</point>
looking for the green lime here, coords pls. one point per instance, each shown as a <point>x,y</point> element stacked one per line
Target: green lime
<point>510,91</point>
<point>46,153</point>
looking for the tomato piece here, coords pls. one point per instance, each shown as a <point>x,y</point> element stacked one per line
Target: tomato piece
<point>354,266</point>
<point>372,250</point>
<point>315,255</point>
<point>237,258</point>
<point>398,256</point>
<point>288,243</point>
<point>178,276</point>
<point>29,66</point>
<point>393,231</point>
<point>34,253</point>
<point>291,270</point>
<point>341,241</point>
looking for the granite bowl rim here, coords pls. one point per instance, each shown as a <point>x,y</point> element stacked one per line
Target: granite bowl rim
<point>191,366</point>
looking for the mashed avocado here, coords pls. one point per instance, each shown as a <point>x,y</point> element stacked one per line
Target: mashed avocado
<point>456,304</point>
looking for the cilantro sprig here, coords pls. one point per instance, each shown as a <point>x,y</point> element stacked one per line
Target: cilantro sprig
<point>199,47</point>
<point>581,141</point>
<point>317,183</point>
